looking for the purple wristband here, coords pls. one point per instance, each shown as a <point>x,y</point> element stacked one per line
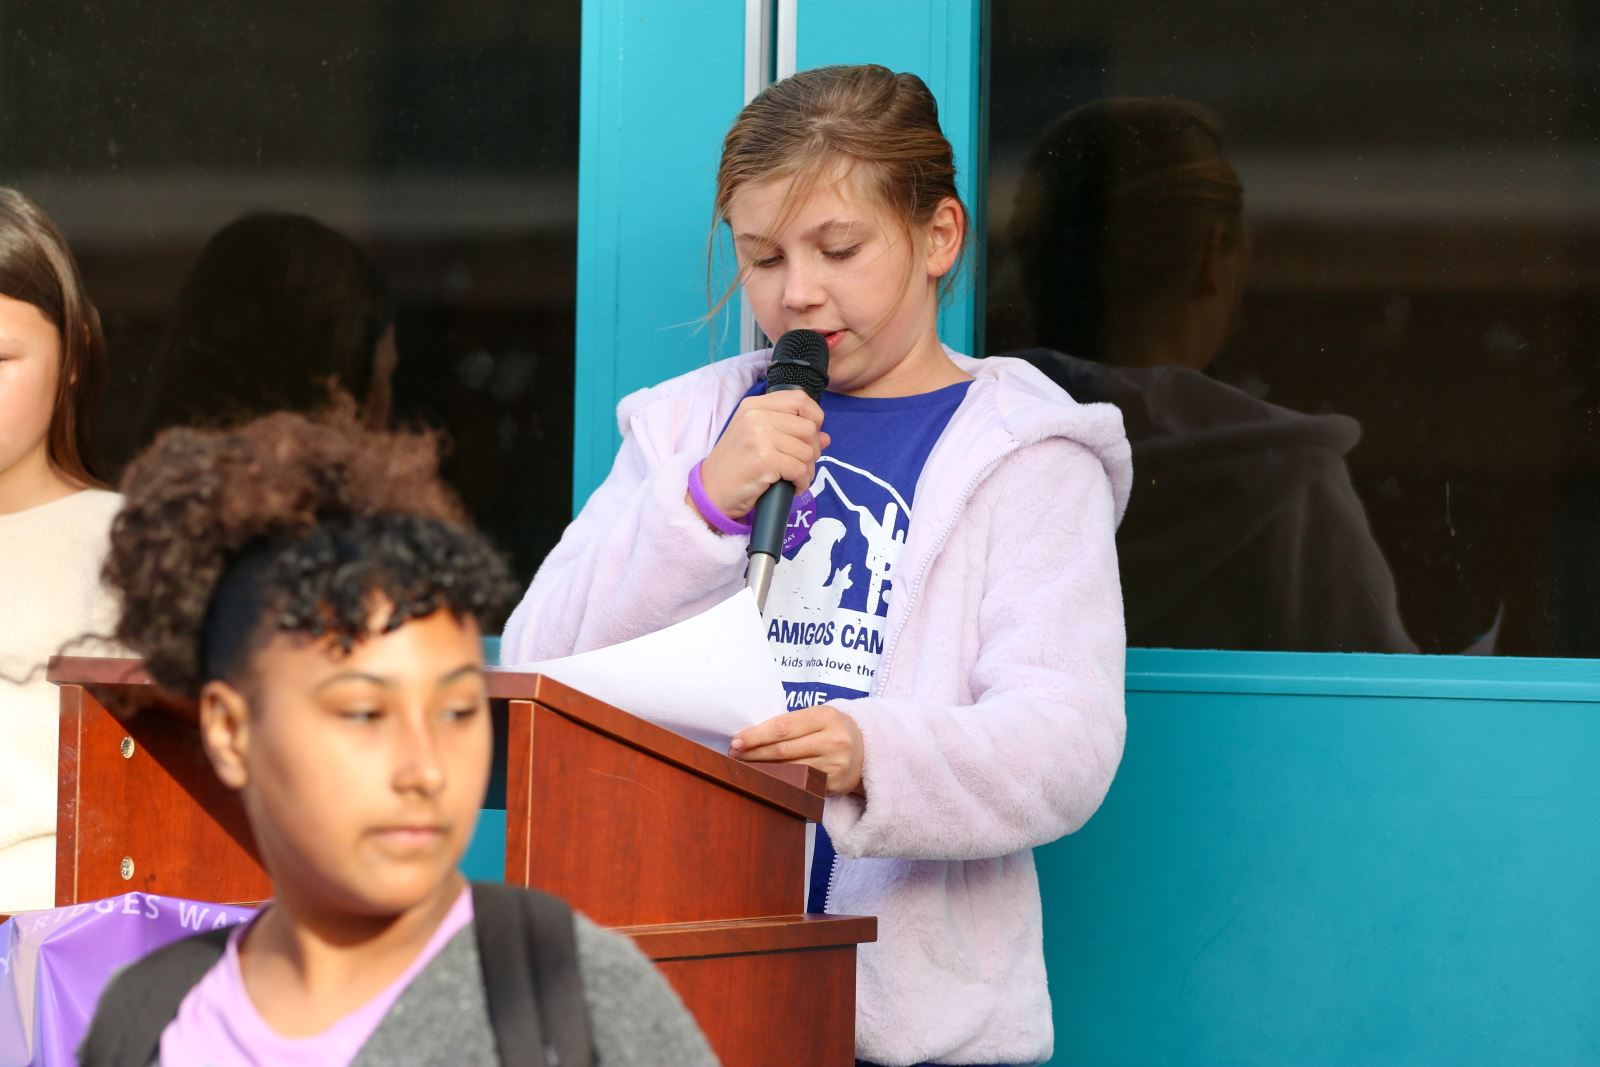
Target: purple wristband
<point>709,511</point>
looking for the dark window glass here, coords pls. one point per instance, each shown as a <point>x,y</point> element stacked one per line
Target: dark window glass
<point>1337,264</point>
<point>265,197</point>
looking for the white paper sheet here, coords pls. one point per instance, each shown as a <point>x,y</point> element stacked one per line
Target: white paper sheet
<point>706,678</point>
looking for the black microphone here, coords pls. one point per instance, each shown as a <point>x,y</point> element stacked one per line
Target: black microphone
<point>799,361</point>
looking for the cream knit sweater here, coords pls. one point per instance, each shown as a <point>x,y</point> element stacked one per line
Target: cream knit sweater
<point>50,593</point>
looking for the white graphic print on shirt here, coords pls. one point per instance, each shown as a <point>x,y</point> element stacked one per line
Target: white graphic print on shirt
<point>829,598</point>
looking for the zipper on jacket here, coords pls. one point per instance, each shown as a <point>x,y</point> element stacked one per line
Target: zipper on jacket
<point>833,876</point>
<point>915,588</point>
<point>911,597</point>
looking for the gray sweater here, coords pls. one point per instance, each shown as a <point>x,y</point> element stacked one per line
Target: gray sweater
<point>442,1017</point>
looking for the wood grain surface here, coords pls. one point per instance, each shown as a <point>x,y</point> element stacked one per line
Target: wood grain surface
<point>629,838</point>
<point>158,807</point>
<point>783,1008</point>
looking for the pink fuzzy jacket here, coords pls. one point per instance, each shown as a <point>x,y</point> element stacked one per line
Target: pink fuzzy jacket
<point>996,723</point>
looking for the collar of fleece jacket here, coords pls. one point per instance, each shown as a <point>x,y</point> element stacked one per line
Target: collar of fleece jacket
<point>1027,404</point>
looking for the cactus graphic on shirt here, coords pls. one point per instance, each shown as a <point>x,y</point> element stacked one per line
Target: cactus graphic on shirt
<point>884,542</point>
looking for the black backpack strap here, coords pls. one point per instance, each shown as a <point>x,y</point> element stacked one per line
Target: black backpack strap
<point>139,1003</point>
<point>559,978</point>
<point>529,952</point>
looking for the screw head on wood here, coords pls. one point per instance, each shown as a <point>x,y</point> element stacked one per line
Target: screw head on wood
<point>127,868</point>
<point>127,748</point>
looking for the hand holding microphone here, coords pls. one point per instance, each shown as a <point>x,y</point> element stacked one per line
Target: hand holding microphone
<point>772,438</point>
<point>770,450</point>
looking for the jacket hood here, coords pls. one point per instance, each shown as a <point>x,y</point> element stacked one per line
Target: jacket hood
<point>1032,408</point>
<point>1025,403</point>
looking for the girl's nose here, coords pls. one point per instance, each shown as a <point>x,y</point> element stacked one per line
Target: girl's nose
<point>419,766</point>
<point>801,292</point>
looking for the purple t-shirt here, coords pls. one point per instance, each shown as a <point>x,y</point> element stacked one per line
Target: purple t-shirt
<point>218,1025</point>
<point>829,599</point>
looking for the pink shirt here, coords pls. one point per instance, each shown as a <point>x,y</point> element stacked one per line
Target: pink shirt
<point>218,1025</point>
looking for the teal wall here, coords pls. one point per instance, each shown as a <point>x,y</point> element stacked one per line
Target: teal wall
<point>1311,859</point>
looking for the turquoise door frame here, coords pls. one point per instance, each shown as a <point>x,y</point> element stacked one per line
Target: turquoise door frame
<point>940,42</point>
<point>661,80</point>
<point>1306,859</point>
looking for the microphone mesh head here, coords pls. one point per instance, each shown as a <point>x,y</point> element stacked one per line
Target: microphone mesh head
<point>799,360</point>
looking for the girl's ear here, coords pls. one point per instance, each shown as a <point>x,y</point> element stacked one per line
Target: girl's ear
<point>944,232</point>
<point>225,732</point>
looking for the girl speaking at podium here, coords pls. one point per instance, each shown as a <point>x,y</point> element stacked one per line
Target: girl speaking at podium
<point>947,616</point>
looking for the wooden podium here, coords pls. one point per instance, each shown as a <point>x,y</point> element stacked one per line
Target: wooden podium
<point>697,857</point>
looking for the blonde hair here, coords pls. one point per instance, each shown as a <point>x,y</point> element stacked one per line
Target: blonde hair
<point>879,126</point>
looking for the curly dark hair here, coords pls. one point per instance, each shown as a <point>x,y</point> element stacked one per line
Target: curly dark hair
<point>287,523</point>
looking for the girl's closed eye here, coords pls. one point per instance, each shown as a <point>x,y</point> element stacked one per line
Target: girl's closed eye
<point>460,712</point>
<point>842,253</point>
<point>359,716</point>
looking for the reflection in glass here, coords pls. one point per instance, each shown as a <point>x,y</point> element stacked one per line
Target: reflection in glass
<point>278,311</point>
<point>1423,246</point>
<point>1244,530</point>
<point>438,139</point>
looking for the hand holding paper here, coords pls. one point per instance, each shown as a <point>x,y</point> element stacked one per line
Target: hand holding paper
<point>706,678</point>
<point>822,737</point>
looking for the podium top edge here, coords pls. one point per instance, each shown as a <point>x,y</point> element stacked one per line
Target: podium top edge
<point>778,933</point>
<point>97,670</point>
<point>796,789</point>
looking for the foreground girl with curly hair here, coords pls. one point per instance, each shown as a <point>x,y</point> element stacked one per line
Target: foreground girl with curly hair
<point>317,590</point>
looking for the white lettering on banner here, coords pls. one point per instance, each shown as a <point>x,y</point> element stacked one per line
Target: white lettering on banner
<point>191,916</point>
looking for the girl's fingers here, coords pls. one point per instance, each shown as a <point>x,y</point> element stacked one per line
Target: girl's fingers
<point>795,462</point>
<point>775,437</point>
<point>793,427</point>
<point>779,457</point>
<point>793,401</point>
<point>782,727</point>
<point>795,750</point>
<point>820,737</point>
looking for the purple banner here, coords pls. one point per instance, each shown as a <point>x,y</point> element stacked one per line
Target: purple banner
<point>53,965</point>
